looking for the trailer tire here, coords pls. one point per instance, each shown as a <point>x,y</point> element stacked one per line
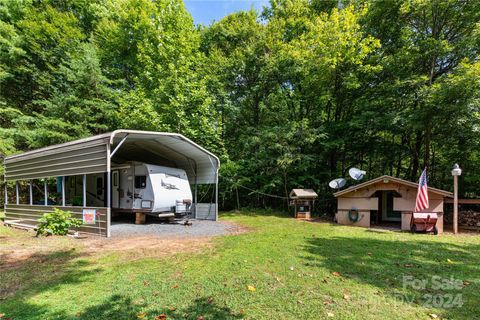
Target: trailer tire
<point>435,230</point>
<point>413,228</point>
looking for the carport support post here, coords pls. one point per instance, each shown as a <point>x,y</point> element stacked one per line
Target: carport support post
<point>84,193</point>
<point>216,196</point>
<point>6,190</point>
<point>195,195</point>
<point>63,191</point>
<point>31,191</point>
<point>17,193</point>
<point>45,191</point>
<point>109,188</point>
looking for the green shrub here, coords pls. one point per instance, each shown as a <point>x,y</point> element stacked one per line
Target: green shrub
<point>77,201</point>
<point>57,223</point>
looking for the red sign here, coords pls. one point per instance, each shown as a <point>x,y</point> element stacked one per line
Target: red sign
<point>89,216</point>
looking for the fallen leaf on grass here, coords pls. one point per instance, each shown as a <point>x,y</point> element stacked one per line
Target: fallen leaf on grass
<point>291,268</point>
<point>449,261</point>
<point>200,318</point>
<point>408,265</point>
<point>369,253</point>
<point>336,274</point>
<point>465,283</point>
<point>175,286</point>
<point>146,283</point>
<point>162,316</point>
<point>210,300</point>
<point>327,302</point>
<point>330,314</point>
<point>433,316</point>
<point>172,308</point>
<point>346,297</point>
<point>251,288</point>
<point>141,315</point>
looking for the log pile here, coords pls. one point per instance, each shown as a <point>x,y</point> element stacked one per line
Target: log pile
<point>468,218</point>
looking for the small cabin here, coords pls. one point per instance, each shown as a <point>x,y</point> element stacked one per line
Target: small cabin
<point>303,200</point>
<point>385,200</point>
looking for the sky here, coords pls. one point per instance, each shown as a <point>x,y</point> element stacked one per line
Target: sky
<point>207,11</point>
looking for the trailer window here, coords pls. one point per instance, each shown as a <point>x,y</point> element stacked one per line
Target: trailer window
<point>140,182</point>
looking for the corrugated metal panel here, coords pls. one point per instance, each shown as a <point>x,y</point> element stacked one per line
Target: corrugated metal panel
<point>206,211</point>
<point>73,158</point>
<point>185,153</point>
<point>30,214</point>
<point>89,156</point>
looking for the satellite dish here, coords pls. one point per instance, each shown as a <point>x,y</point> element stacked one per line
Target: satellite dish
<point>337,183</point>
<point>356,174</point>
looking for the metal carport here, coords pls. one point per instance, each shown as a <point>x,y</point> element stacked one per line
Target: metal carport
<point>95,155</point>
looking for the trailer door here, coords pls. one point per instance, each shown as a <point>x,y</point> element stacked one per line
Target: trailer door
<point>115,189</point>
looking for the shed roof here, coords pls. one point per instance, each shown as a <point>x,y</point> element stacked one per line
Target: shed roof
<point>390,178</point>
<point>90,155</point>
<point>303,193</point>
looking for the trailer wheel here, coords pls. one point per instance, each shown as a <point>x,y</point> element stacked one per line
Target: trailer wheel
<point>413,228</point>
<point>435,230</point>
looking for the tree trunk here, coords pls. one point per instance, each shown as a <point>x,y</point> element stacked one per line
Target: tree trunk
<point>416,155</point>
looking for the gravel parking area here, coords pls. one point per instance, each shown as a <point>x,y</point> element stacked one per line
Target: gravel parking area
<point>199,228</point>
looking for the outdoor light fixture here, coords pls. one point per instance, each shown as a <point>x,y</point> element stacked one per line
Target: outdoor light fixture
<point>456,171</point>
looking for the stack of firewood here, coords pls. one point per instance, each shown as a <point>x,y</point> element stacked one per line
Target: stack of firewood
<point>468,218</point>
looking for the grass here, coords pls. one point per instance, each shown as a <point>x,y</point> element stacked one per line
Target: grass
<point>295,270</point>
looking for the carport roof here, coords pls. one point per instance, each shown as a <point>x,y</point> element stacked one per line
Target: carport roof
<point>151,147</point>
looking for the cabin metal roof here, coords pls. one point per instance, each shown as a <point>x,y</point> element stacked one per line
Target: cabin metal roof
<point>91,155</point>
<point>390,179</point>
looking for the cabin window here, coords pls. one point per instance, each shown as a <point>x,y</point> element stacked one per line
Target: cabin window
<point>140,182</point>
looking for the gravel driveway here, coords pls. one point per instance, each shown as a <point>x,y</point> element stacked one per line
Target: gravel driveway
<point>199,228</point>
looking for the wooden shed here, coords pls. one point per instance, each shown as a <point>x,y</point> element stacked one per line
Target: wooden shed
<point>303,200</point>
<point>385,199</point>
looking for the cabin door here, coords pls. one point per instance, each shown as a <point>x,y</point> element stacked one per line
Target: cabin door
<point>388,214</point>
<point>115,189</point>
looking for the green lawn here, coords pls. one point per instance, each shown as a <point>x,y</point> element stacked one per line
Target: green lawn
<point>298,270</point>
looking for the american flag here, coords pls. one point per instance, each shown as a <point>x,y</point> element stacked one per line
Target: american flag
<point>422,194</point>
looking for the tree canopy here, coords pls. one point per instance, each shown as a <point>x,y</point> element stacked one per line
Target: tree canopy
<point>289,97</point>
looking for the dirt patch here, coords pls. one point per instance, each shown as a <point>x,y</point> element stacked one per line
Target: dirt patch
<point>20,246</point>
<point>137,247</point>
<point>234,228</point>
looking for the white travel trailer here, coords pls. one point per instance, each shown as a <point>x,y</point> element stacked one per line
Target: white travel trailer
<point>137,187</point>
<point>157,190</point>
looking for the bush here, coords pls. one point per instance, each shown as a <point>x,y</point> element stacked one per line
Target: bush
<point>57,223</point>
